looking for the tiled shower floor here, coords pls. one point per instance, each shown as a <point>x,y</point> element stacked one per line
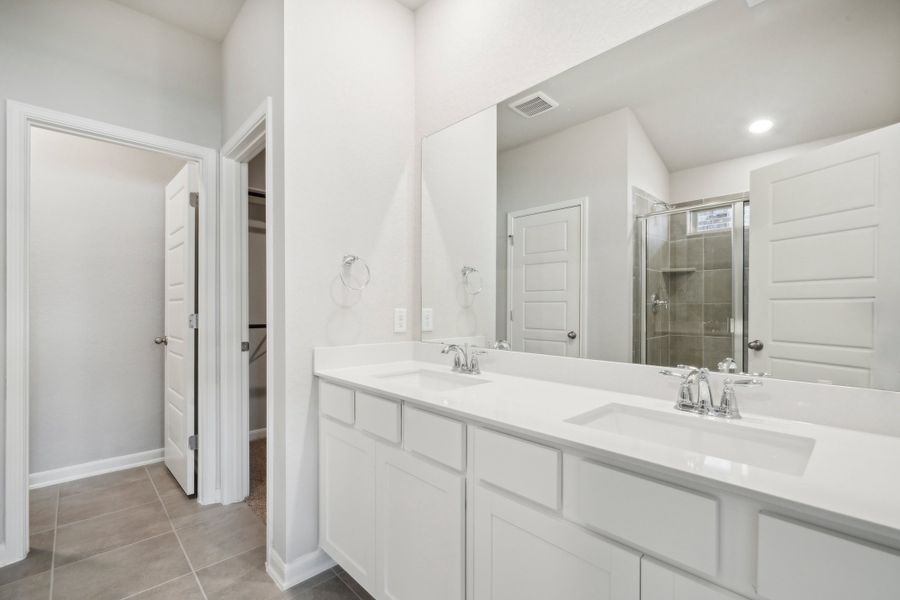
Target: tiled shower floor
<point>134,534</point>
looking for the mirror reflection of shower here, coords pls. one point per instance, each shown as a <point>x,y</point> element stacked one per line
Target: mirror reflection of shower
<point>690,281</point>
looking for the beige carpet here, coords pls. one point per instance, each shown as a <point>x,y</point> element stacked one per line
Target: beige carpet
<point>257,498</point>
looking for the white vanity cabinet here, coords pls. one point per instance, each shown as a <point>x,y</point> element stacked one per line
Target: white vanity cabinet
<point>392,518</point>
<point>524,552</point>
<point>420,532</point>
<point>419,505</point>
<point>661,582</point>
<point>347,499</point>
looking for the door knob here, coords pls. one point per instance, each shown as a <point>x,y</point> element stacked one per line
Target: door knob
<point>161,340</point>
<point>755,345</point>
<point>572,335</point>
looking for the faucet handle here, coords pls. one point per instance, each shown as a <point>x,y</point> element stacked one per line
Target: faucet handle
<point>728,403</point>
<point>727,366</point>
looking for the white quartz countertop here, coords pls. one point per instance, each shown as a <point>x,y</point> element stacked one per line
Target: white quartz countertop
<point>850,474</point>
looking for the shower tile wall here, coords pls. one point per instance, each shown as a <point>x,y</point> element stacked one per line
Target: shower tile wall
<point>693,272</point>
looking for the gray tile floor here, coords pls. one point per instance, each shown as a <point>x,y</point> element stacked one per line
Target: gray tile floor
<point>134,534</point>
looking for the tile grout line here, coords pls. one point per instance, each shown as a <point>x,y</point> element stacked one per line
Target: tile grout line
<point>106,514</point>
<point>53,552</point>
<point>177,537</point>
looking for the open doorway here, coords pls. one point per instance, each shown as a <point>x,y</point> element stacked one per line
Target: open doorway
<point>91,236</point>
<point>256,331</point>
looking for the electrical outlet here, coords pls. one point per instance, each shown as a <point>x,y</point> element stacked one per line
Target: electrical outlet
<point>427,319</point>
<point>399,320</point>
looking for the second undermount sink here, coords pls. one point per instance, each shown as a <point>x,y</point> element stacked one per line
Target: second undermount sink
<point>433,381</point>
<point>769,450</point>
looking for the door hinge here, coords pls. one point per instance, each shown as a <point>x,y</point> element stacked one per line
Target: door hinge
<point>245,346</point>
<point>512,240</point>
<point>193,320</point>
<point>510,315</point>
<point>195,199</point>
<point>192,442</point>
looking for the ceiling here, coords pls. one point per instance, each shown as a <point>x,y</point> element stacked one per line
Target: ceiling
<point>209,18</point>
<point>817,68</point>
<point>412,4</point>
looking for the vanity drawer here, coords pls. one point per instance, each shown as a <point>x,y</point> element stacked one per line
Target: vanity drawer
<point>434,436</point>
<point>524,468</point>
<point>378,416</point>
<point>666,520</point>
<point>336,402</point>
<point>800,562</point>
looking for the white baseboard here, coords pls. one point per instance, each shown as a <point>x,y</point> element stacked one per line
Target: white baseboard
<point>257,434</point>
<point>299,570</point>
<point>97,467</point>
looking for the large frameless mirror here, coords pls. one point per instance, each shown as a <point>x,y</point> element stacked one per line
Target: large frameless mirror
<point>723,192</point>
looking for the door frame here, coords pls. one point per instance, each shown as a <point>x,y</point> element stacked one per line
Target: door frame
<point>256,133</point>
<point>582,204</point>
<point>20,118</point>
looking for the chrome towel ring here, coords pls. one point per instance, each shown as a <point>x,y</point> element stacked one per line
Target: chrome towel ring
<point>472,280</point>
<point>355,273</point>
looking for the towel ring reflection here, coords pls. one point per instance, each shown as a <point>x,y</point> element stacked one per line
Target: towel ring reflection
<point>347,277</point>
<point>472,280</point>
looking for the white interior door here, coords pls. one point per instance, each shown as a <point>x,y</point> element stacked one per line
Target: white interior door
<point>824,282</point>
<point>180,285</point>
<point>545,280</point>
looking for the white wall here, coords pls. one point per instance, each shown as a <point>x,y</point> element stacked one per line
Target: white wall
<point>459,226</point>
<point>588,160</point>
<point>99,59</point>
<point>96,299</point>
<point>349,139</point>
<point>471,54</point>
<point>732,176</point>
<point>252,61</point>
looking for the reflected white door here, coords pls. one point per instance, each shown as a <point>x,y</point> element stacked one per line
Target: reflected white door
<point>545,257</point>
<point>180,294</point>
<point>824,282</point>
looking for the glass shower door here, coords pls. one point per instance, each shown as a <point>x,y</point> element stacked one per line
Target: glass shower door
<point>693,286</point>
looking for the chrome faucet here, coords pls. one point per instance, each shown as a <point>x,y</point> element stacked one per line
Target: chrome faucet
<point>464,360</point>
<point>703,404</point>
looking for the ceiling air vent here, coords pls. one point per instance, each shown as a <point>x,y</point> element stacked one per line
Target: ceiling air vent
<point>534,104</point>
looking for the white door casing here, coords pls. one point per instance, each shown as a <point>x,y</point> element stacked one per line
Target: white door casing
<point>546,281</point>
<point>824,283</point>
<point>20,118</point>
<point>180,303</point>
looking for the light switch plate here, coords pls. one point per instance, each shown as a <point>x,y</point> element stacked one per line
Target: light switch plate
<point>427,319</point>
<point>399,320</point>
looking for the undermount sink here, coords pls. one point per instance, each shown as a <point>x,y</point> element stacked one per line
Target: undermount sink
<point>432,380</point>
<point>780,452</point>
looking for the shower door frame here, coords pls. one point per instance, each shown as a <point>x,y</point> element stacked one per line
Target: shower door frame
<point>736,202</point>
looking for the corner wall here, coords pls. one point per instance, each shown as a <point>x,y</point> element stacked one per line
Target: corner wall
<point>349,139</point>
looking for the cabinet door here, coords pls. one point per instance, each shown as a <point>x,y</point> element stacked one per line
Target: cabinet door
<point>347,499</point>
<point>661,582</point>
<point>524,553</point>
<point>420,528</point>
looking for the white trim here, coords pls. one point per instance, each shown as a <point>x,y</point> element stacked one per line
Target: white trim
<point>299,570</point>
<point>96,467</point>
<point>581,203</point>
<point>255,134</point>
<point>20,118</point>
<point>257,434</point>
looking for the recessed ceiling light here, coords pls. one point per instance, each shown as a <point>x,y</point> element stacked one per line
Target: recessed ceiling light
<point>760,126</point>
